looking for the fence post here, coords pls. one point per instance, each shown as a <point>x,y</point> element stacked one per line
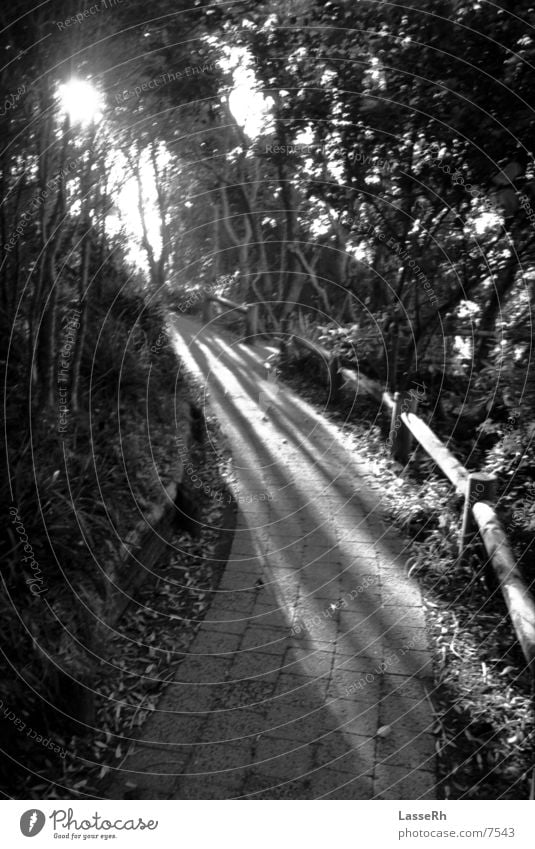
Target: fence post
<point>480,486</point>
<point>400,437</point>
<point>285,338</point>
<point>207,311</point>
<point>335,379</point>
<point>251,321</point>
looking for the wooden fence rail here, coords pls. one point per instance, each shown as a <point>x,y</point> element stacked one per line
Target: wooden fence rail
<point>478,489</point>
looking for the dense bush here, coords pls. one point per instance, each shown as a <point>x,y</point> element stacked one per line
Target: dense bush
<point>76,495</point>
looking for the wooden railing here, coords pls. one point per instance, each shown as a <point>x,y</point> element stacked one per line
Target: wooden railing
<point>249,311</point>
<point>478,489</point>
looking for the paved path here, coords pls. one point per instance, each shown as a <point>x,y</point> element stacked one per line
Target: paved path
<point>316,640</point>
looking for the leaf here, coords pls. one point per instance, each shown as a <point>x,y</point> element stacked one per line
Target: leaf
<point>384,731</point>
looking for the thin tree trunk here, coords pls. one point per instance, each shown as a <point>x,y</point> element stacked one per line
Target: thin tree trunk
<point>47,334</point>
<point>80,337</point>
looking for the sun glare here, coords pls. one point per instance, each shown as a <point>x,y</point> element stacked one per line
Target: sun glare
<point>81,101</point>
<point>126,214</point>
<point>249,107</point>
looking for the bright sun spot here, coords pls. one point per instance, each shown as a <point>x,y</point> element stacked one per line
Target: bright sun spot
<point>248,105</point>
<point>485,221</point>
<point>126,213</point>
<point>81,101</point>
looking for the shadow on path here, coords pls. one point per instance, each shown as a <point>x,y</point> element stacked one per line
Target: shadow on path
<point>316,638</point>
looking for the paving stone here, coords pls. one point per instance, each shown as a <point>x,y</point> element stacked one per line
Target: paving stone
<point>317,627</point>
<point>399,638</point>
<point>207,645</point>
<point>246,693</point>
<point>222,786</point>
<point>242,601</point>
<point>136,786</point>
<point>253,664</point>
<point>357,715</point>
<point>344,683</point>
<point>316,722</point>
<point>228,621</point>
<point>359,664</point>
<point>265,640</point>
<point>411,741</point>
<point>394,782</point>
<point>296,685</point>
<point>241,583</point>
<point>191,699</point>
<point>259,785</point>
<point>156,761</point>
<point>204,670</point>
<point>367,598</point>
<point>303,661</point>
<point>233,724</point>
<point>282,757</point>
<point>347,645</point>
<point>346,753</point>
<point>264,618</point>
<point>171,729</point>
<point>408,751</point>
<point>360,640</point>
<point>407,597</point>
<point>331,784</point>
<point>409,688</point>
<point>411,663</point>
<point>231,625</point>
<point>213,759</point>
<point>285,714</point>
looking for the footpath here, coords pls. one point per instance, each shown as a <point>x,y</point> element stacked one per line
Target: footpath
<point>307,679</point>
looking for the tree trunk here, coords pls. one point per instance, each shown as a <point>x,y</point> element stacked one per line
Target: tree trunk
<point>46,334</point>
<point>80,337</point>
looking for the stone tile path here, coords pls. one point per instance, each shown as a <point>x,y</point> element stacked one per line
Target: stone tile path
<point>316,640</point>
